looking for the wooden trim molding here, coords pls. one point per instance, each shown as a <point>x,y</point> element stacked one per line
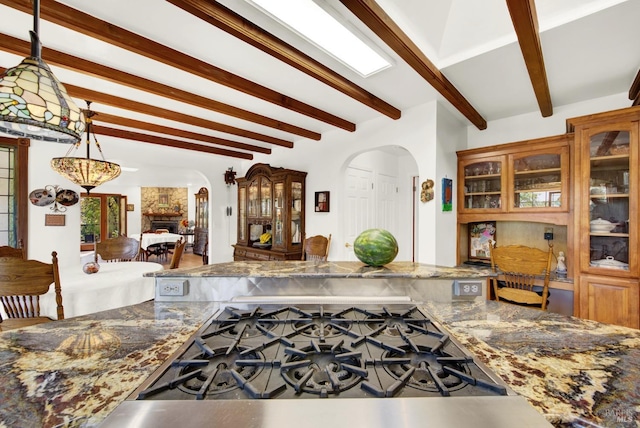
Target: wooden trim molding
<point>22,187</point>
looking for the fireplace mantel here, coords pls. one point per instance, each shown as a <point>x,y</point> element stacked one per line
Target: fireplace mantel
<point>172,214</point>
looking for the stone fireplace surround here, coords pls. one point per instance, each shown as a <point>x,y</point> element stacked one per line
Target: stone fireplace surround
<point>177,199</point>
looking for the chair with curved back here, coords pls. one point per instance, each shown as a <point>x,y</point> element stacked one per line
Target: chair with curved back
<point>316,248</point>
<point>120,249</point>
<point>517,268</point>
<point>177,253</point>
<point>7,251</point>
<point>22,282</point>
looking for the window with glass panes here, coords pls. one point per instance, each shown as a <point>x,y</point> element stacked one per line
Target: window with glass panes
<point>8,212</point>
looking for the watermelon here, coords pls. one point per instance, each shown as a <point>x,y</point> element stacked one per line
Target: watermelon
<point>375,247</point>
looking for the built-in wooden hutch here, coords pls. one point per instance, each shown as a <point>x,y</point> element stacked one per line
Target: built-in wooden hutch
<point>590,174</point>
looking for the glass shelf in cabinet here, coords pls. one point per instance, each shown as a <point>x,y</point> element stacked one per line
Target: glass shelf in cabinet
<point>537,171</point>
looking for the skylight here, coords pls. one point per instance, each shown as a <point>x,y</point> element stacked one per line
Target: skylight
<point>318,26</point>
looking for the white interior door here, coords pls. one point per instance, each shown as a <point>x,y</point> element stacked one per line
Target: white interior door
<point>358,212</point>
<point>387,203</point>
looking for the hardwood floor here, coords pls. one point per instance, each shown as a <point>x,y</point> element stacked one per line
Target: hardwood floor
<point>188,260</point>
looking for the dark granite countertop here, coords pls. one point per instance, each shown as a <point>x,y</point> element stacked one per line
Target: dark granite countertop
<point>310,269</point>
<point>75,372</point>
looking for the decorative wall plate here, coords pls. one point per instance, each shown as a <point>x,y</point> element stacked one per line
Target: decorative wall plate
<point>67,198</point>
<point>42,197</point>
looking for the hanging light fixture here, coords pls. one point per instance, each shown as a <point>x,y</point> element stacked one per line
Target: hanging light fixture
<point>33,103</point>
<point>86,172</point>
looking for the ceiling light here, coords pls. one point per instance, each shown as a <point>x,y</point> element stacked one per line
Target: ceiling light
<point>86,172</point>
<point>33,103</point>
<point>321,28</point>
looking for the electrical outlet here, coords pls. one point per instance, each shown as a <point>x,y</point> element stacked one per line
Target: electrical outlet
<point>548,233</point>
<point>467,288</point>
<point>173,288</point>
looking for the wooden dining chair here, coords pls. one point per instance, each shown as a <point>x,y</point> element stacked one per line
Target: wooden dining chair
<point>7,251</point>
<point>316,248</point>
<point>22,282</point>
<point>120,249</point>
<point>517,268</point>
<point>143,254</point>
<point>177,253</point>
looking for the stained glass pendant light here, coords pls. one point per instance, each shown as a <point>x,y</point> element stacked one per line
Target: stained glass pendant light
<point>33,103</point>
<point>86,172</point>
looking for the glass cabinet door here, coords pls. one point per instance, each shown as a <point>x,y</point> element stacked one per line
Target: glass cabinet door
<point>609,189</point>
<point>296,209</point>
<point>278,202</point>
<point>483,185</point>
<point>242,214</point>
<point>252,207</point>
<point>540,180</point>
<point>265,197</point>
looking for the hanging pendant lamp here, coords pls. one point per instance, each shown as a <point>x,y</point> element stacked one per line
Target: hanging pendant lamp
<point>86,172</point>
<point>33,103</point>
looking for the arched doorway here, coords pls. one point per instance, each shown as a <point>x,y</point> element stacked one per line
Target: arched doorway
<point>379,192</point>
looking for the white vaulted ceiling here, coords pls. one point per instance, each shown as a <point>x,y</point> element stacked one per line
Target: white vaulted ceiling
<point>590,50</point>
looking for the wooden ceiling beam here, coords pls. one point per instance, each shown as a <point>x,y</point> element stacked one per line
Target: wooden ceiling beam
<point>89,25</point>
<point>372,15</point>
<point>51,56</point>
<point>112,100</point>
<point>225,19</point>
<point>525,22</point>
<point>168,142</point>
<point>138,124</point>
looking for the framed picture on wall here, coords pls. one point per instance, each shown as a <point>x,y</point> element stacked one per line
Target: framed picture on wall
<point>322,202</point>
<point>481,237</point>
<point>163,200</point>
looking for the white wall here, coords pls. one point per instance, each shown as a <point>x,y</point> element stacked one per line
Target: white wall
<point>166,163</point>
<point>429,132</point>
<point>326,160</point>
<point>533,125</point>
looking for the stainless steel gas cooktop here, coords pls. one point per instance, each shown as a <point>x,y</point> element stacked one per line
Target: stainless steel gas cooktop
<point>305,357</point>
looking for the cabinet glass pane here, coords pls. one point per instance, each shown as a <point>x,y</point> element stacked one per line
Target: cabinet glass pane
<point>252,207</point>
<point>278,233</point>
<point>296,208</point>
<point>609,200</point>
<point>537,181</point>
<point>265,198</point>
<point>242,214</point>
<point>482,185</point>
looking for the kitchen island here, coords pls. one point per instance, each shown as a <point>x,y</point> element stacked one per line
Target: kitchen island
<point>75,372</point>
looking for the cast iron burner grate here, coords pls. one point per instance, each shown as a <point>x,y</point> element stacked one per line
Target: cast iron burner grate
<point>321,325</point>
<point>251,323</point>
<point>214,371</point>
<point>322,369</point>
<point>308,352</point>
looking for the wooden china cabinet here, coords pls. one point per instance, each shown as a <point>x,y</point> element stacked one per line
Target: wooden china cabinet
<point>606,216</point>
<point>201,226</point>
<point>270,200</point>
<point>515,181</point>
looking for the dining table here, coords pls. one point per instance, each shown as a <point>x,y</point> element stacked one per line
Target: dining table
<point>156,238</point>
<point>116,284</point>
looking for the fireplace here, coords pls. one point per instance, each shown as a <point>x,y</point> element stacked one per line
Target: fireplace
<point>171,226</point>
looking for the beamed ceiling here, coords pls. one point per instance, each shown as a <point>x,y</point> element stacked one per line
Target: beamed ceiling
<point>222,78</point>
